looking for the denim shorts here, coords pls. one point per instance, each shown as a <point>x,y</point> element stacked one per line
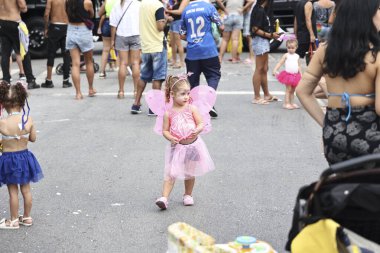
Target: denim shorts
<point>79,36</point>
<point>233,22</point>
<point>175,26</point>
<point>127,43</point>
<point>260,45</point>
<point>153,66</point>
<point>247,24</point>
<point>106,28</point>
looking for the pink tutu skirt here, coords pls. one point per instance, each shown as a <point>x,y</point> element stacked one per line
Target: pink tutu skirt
<point>187,161</point>
<point>289,78</point>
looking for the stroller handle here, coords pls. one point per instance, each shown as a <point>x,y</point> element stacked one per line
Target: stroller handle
<point>351,164</point>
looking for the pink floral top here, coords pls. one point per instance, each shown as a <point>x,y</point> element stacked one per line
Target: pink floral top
<point>182,123</point>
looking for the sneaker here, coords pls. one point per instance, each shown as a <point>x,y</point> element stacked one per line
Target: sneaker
<point>47,84</point>
<point>22,77</point>
<point>103,75</point>
<point>150,113</point>
<point>213,112</point>
<point>162,203</point>
<point>66,84</point>
<point>188,200</point>
<point>136,109</point>
<point>33,85</point>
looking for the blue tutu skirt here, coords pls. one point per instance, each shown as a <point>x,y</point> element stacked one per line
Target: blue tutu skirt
<point>20,167</point>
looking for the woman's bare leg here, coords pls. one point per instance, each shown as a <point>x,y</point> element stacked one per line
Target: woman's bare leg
<point>135,61</point>
<point>89,72</point>
<point>75,71</point>
<point>105,53</point>
<point>124,57</point>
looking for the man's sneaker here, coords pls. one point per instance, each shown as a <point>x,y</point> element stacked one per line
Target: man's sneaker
<point>150,113</point>
<point>102,75</point>
<point>22,77</point>
<point>162,203</point>
<point>32,85</point>
<point>188,200</point>
<point>213,113</point>
<point>136,109</point>
<point>66,84</point>
<point>47,84</point>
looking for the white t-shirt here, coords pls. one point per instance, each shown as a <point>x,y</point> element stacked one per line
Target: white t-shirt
<point>129,24</point>
<point>291,63</point>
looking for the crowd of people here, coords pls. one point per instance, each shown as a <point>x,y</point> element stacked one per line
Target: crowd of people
<point>345,63</point>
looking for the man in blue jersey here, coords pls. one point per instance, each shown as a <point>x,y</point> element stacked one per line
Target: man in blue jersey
<point>202,53</point>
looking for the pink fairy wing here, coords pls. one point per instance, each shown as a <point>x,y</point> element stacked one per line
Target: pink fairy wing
<point>156,102</point>
<point>204,97</point>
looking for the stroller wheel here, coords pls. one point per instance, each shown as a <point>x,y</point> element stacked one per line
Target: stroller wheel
<point>59,69</point>
<point>96,67</point>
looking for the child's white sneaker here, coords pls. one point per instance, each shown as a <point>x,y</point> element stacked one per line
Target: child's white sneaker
<point>188,200</point>
<point>162,203</point>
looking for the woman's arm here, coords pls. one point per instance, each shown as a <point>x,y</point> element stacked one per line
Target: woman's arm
<point>179,11</point>
<point>308,83</point>
<point>377,85</point>
<point>88,7</point>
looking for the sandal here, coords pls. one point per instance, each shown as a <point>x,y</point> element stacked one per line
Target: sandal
<point>92,93</point>
<point>260,101</point>
<point>272,99</point>
<point>21,220</point>
<point>11,225</point>
<point>120,94</point>
<point>102,75</point>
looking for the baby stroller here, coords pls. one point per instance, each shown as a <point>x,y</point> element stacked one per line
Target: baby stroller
<point>348,195</point>
<point>59,67</point>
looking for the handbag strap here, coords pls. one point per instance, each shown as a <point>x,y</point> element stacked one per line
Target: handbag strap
<point>123,14</point>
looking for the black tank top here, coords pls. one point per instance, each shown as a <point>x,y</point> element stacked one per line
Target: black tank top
<point>76,14</point>
<point>303,35</point>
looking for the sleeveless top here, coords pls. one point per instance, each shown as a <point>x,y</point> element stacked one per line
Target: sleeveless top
<point>346,100</point>
<point>322,14</point>
<point>78,17</point>
<point>182,123</point>
<point>291,63</point>
<point>303,35</point>
<point>109,5</point>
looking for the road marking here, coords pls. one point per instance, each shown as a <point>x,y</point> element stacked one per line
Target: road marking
<point>279,93</point>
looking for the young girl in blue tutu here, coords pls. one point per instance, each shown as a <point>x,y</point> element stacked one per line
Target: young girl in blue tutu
<point>18,166</point>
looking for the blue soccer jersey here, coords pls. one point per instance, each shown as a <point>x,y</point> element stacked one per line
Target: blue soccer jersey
<point>196,25</point>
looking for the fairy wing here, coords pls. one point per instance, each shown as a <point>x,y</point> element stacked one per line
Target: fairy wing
<point>204,97</point>
<point>157,103</point>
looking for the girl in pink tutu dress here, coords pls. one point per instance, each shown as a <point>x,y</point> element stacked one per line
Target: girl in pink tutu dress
<point>291,76</point>
<point>186,156</point>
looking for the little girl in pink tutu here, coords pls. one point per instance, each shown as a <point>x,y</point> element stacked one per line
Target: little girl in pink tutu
<point>186,155</point>
<point>291,76</point>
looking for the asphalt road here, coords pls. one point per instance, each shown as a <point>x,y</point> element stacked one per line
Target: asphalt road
<point>104,168</point>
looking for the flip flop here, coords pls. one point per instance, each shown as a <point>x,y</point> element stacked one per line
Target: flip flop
<point>260,102</point>
<point>288,107</point>
<point>92,93</point>
<point>272,99</point>
<point>295,106</point>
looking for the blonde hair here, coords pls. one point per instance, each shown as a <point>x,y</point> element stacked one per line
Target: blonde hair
<point>292,41</point>
<point>173,83</point>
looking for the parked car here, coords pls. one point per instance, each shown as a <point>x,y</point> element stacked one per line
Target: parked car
<point>34,19</point>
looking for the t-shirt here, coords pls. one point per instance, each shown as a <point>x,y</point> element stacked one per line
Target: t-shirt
<point>234,6</point>
<point>129,23</point>
<point>260,19</point>
<point>196,25</point>
<point>152,40</point>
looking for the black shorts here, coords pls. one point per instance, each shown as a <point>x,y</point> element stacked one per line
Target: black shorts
<point>9,33</point>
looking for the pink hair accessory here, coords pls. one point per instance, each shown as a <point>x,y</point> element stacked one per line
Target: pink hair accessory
<point>181,77</point>
<point>287,36</point>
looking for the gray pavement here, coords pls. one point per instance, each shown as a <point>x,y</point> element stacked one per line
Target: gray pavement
<point>104,168</point>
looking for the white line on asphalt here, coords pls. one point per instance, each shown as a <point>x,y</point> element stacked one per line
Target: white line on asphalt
<point>279,93</point>
<point>54,121</point>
